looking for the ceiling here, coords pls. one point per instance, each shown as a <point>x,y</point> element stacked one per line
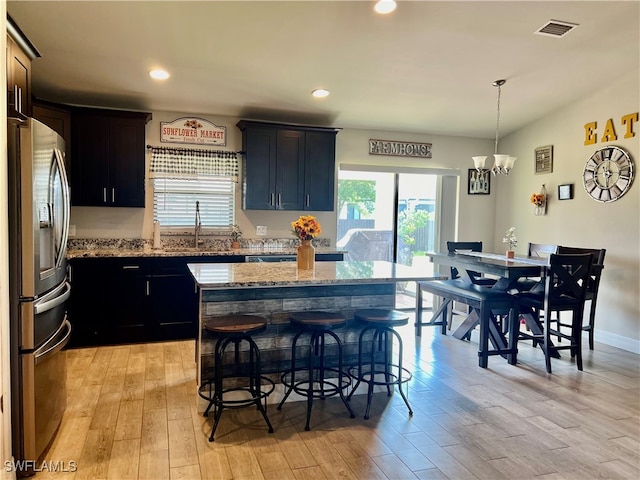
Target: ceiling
<point>427,68</point>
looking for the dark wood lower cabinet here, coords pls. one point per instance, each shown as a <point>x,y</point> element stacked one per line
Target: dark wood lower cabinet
<point>127,320</point>
<point>88,302</point>
<point>174,306</point>
<point>131,300</point>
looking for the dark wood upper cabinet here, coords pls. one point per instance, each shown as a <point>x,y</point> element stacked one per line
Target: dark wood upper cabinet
<point>319,174</point>
<point>108,157</point>
<point>20,52</point>
<point>287,167</point>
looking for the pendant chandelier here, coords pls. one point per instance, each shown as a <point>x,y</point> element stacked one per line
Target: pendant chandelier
<point>502,164</point>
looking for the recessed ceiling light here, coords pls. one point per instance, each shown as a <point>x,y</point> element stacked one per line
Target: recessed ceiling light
<point>320,93</point>
<point>159,74</point>
<point>385,6</point>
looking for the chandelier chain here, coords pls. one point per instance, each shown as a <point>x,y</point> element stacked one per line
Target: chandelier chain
<point>497,121</point>
<point>502,163</point>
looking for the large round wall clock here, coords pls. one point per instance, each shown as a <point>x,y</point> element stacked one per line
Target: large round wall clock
<point>608,174</point>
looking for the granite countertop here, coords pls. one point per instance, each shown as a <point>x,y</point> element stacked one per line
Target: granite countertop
<point>283,274</point>
<point>183,252</point>
<point>181,246</point>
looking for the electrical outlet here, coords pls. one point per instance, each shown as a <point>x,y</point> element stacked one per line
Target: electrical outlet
<point>261,230</point>
<point>72,230</point>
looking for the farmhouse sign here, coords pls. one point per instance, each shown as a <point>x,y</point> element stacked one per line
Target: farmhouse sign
<point>399,149</point>
<point>193,130</point>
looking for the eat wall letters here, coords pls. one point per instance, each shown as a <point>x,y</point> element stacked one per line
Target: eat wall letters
<point>609,133</point>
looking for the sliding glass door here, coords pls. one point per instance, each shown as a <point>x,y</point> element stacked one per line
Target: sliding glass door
<point>389,216</point>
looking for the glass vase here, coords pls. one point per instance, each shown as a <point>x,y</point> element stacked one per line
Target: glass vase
<point>306,256</point>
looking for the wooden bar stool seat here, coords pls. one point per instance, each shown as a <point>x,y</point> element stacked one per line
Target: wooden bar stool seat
<point>317,378</point>
<point>242,365</point>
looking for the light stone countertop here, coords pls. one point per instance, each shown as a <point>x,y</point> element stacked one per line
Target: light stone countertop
<point>283,274</point>
<point>184,252</point>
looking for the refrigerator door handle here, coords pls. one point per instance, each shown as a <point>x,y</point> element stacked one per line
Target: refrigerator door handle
<point>66,196</point>
<point>56,299</point>
<point>45,351</point>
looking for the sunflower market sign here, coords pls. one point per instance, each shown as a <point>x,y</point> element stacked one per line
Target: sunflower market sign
<point>193,130</point>
<point>399,149</point>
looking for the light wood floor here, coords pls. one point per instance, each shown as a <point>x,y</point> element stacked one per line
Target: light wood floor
<point>133,413</point>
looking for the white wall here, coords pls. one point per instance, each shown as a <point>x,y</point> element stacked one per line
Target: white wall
<point>476,212</point>
<point>352,146</point>
<point>577,222</point>
<point>582,222</point>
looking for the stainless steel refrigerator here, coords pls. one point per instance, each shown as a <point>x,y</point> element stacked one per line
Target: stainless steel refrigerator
<point>38,228</point>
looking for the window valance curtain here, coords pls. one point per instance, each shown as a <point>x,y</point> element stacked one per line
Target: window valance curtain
<point>176,162</point>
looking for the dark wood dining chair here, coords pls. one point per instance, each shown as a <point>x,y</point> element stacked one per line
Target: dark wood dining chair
<point>565,288</point>
<point>477,278</point>
<point>541,250</point>
<point>593,285</point>
<point>536,250</point>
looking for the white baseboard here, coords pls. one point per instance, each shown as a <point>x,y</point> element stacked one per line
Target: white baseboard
<point>618,341</point>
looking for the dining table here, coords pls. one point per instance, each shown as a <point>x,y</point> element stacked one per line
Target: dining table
<point>506,271</point>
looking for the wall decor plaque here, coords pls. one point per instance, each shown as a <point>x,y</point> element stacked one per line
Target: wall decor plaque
<point>544,159</point>
<point>193,130</point>
<point>565,191</point>
<point>399,149</point>
<point>479,183</point>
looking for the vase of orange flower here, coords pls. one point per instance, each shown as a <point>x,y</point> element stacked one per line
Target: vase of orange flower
<point>306,228</point>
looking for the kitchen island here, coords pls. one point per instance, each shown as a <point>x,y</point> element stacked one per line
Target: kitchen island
<point>274,290</point>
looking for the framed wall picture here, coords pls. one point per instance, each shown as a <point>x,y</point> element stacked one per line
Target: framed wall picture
<point>544,159</point>
<point>479,183</point>
<point>565,192</point>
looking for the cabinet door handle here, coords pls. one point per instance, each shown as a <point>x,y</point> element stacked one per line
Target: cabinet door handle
<point>147,288</point>
<point>104,195</point>
<point>306,203</point>
<point>271,199</point>
<point>279,200</point>
<point>131,267</point>
<point>113,195</point>
<point>17,98</point>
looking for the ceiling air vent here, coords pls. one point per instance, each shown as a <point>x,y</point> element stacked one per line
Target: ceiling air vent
<point>556,28</point>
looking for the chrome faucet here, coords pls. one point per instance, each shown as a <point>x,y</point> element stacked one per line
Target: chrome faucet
<point>198,224</point>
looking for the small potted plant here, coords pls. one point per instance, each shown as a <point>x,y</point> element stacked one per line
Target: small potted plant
<point>512,240</point>
<point>235,236</point>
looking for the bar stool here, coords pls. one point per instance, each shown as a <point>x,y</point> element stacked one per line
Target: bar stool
<point>234,330</point>
<point>315,384</point>
<point>380,359</point>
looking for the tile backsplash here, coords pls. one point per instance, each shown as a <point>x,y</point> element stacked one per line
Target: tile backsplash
<point>174,242</point>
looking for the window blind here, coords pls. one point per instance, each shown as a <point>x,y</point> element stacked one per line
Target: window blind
<point>183,176</point>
